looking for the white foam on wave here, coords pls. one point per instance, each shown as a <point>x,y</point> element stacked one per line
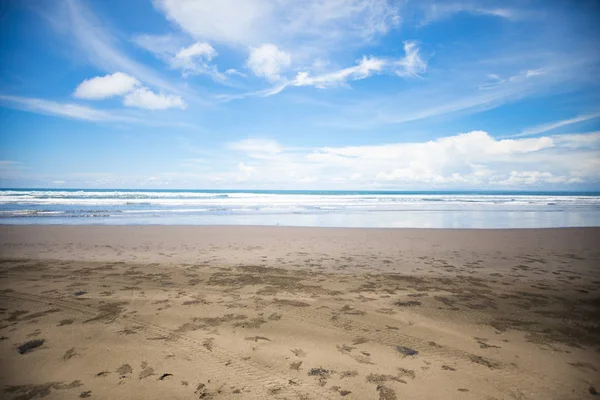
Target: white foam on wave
<point>159,201</point>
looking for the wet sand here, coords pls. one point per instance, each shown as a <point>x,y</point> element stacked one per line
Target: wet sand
<point>153,312</point>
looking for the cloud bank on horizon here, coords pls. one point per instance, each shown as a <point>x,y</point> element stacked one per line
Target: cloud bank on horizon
<point>310,94</point>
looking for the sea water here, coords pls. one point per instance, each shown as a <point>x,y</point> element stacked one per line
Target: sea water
<point>449,209</point>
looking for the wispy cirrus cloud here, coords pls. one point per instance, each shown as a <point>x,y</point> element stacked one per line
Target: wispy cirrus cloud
<point>90,114</point>
<point>409,66</point>
<point>557,124</point>
<point>433,11</point>
<point>496,80</point>
<point>473,90</point>
<point>69,110</point>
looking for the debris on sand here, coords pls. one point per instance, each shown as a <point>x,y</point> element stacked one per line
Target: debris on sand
<point>291,303</point>
<point>163,376</point>
<point>29,346</point>
<point>318,371</point>
<point>483,361</point>
<point>208,343</point>
<point>410,303</point>
<point>250,324</point>
<point>296,365</point>
<point>381,378</point>
<point>202,391</point>
<point>298,352</point>
<point>342,393</point>
<point>27,392</point>
<point>124,370</point>
<point>593,391</point>
<point>85,394</point>
<point>274,390</point>
<point>348,374</point>
<point>406,351</point>
<point>275,317</point>
<point>322,373</point>
<point>257,338</point>
<point>79,293</point>
<point>406,372</point>
<point>70,354</point>
<point>386,393</point>
<point>359,340</point>
<point>351,311</point>
<point>146,372</point>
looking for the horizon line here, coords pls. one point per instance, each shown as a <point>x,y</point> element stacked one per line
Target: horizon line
<point>591,191</point>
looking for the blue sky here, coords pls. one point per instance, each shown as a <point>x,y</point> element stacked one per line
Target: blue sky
<point>308,94</point>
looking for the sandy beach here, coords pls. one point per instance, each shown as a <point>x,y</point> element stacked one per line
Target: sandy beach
<point>173,312</point>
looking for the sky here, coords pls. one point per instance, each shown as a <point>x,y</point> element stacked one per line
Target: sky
<point>300,94</point>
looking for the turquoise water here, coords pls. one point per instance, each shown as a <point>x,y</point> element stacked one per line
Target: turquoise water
<point>424,209</point>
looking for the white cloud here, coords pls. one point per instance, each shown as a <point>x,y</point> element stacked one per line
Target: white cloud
<point>101,87</point>
<point>365,68</point>
<point>470,160</point>
<point>199,50</point>
<point>194,59</point>
<point>578,140</point>
<point>412,64</point>
<point>408,66</point>
<point>233,71</point>
<point>252,22</point>
<point>476,146</point>
<point>134,94</point>
<point>528,178</point>
<point>268,61</point>
<point>145,98</point>
<point>557,124</point>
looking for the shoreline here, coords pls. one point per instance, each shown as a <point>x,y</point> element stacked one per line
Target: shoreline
<point>209,226</point>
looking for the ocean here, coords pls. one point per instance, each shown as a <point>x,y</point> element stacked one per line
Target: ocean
<point>439,209</point>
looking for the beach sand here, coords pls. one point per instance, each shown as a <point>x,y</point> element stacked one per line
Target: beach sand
<point>164,312</point>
